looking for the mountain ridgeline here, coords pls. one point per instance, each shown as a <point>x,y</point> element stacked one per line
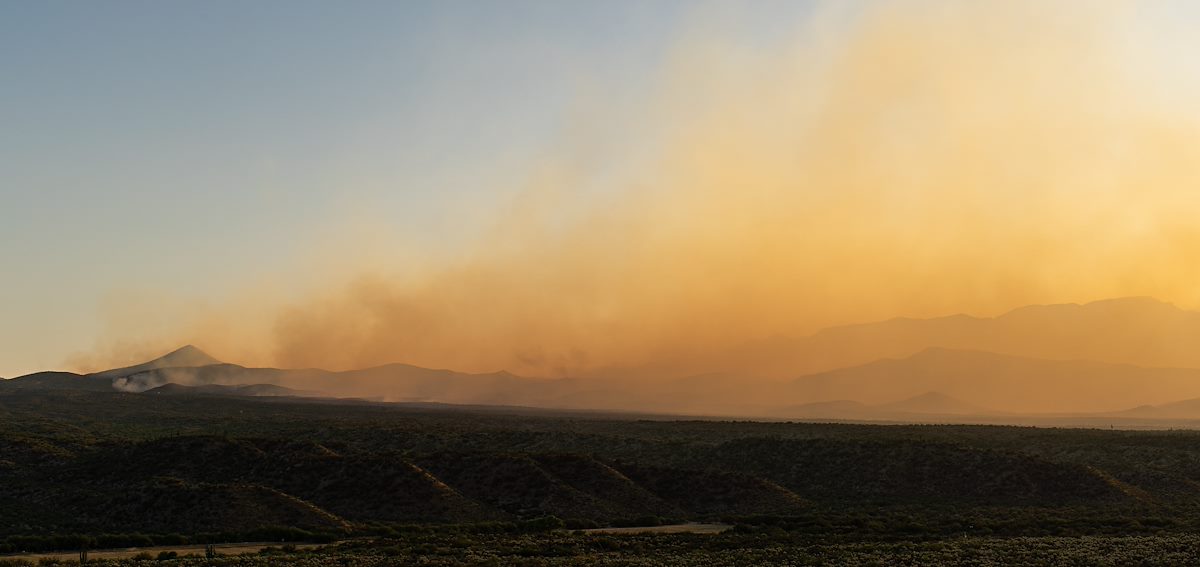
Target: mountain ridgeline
<point>1119,358</point>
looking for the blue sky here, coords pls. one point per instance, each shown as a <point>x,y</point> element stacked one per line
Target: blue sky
<point>601,180</point>
<point>186,146</point>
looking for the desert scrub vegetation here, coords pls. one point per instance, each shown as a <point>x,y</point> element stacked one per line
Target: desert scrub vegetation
<point>445,487</point>
<point>565,549</point>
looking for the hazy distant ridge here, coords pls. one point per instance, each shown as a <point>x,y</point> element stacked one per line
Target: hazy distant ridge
<point>1136,330</point>
<point>1041,359</point>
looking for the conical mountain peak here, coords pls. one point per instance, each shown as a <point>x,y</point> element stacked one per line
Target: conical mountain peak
<point>187,356</point>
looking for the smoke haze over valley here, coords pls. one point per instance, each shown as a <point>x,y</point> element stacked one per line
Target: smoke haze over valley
<point>955,368</point>
<point>534,283</point>
<point>873,161</point>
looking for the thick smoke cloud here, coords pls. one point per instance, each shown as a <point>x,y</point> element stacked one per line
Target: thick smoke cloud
<point>893,159</point>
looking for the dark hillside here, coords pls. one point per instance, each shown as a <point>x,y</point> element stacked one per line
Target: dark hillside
<point>912,472</point>
<point>57,381</point>
<point>91,462</point>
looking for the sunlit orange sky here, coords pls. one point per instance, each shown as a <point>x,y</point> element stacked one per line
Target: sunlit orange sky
<point>553,187</point>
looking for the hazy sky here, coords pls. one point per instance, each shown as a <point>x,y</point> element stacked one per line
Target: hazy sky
<point>166,167</point>
<point>184,147</point>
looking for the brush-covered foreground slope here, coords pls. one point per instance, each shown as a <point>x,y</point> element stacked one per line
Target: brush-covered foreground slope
<point>86,462</point>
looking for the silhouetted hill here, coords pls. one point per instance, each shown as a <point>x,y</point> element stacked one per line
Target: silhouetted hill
<point>56,381</point>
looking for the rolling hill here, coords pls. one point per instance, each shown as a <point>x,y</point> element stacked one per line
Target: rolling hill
<point>1136,330</point>
<point>77,463</point>
<point>1004,383</point>
<point>56,381</point>
<point>1182,409</point>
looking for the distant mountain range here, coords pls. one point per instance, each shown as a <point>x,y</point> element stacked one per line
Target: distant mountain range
<point>1136,330</point>
<point>1100,358</point>
<point>1008,383</point>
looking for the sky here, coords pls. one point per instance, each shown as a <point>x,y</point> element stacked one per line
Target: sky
<point>546,186</point>
<point>186,148</point>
